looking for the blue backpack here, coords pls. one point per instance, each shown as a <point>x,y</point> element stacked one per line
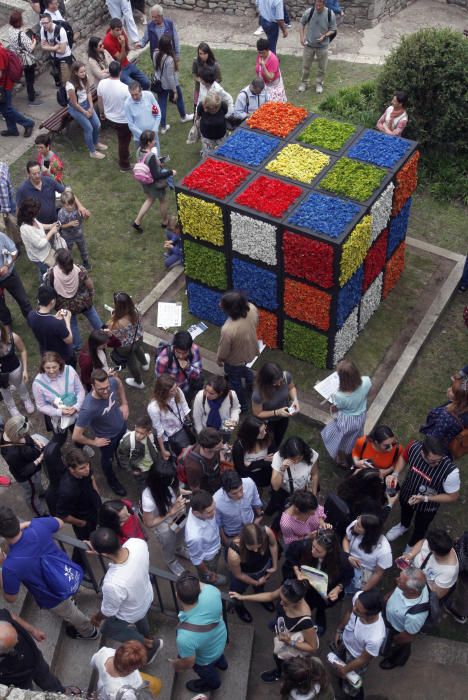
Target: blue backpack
<point>62,576</point>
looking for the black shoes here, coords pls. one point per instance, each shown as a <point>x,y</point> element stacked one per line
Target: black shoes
<point>28,130</point>
<point>243,613</point>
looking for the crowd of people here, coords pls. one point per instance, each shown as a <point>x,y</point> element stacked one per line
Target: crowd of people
<point>215,469</point>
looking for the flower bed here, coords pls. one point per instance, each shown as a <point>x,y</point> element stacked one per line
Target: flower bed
<point>346,337</point>
<point>298,163</point>
<point>307,258</point>
<point>370,301</point>
<point>394,269</point>
<point>398,227</point>
<point>205,264</point>
<point>216,178</point>
<point>355,249</point>
<point>406,182</point>
<point>254,238</point>
<point>307,304</point>
<point>277,118</point>
<point>381,210</point>
<point>259,284</point>
<point>324,214</point>
<point>349,297</point>
<point>379,149</point>
<point>352,179</point>
<point>201,219</point>
<point>269,196</point>
<point>267,329</point>
<point>204,303</point>
<point>375,259</point>
<point>305,344</point>
<point>326,133</point>
<point>248,147</point>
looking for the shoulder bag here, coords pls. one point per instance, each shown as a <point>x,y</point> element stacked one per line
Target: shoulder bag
<point>286,651</point>
<point>156,84</point>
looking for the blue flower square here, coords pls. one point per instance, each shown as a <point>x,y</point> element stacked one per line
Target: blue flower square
<point>398,227</point>
<point>248,147</point>
<point>204,303</point>
<point>329,215</point>
<point>349,296</point>
<point>379,149</point>
<point>259,284</point>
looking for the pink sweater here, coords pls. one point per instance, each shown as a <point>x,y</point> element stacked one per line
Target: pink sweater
<point>293,529</point>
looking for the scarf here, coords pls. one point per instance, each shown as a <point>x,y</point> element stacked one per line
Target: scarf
<point>66,285</point>
<point>214,418</point>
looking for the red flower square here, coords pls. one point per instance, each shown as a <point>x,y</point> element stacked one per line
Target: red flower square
<point>217,178</point>
<point>308,258</point>
<point>267,328</point>
<point>269,196</point>
<point>307,304</point>
<point>393,269</point>
<point>406,181</point>
<point>375,259</point>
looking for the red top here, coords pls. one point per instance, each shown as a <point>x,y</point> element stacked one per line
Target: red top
<point>406,452</point>
<point>131,527</point>
<point>5,81</point>
<point>112,44</point>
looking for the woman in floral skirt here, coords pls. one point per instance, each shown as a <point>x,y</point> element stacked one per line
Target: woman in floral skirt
<point>268,69</point>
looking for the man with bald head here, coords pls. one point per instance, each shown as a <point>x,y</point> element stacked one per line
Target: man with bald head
<point>406,612</point>
<point>21,662</point>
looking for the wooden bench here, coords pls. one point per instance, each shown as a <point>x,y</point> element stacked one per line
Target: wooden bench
<point>59,122</point>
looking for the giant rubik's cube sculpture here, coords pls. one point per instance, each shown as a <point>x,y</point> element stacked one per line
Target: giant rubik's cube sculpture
<point>308,216</point>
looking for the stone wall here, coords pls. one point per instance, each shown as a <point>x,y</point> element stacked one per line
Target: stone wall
<point>85,16</point>
<point>460,3</point>
<point>361,13</point>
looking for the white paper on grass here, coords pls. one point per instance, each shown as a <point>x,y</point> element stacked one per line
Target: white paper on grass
<point>169,314</point>
<point>197,329</point>
<point>261,348</point>
<point>328,386</point>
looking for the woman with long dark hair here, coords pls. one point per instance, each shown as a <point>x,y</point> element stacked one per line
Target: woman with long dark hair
<point>251,451</point>
<point>305,678</point>
<point>166,70</point>
<point>94,356</point>
<point>363,491</point>
<point>274,399</point>
<point>379,449</point>
<point>99,60</point>
<point>126,327</point>
<point>216,406</point>
<point>167,410</point>
<point>13,370</point>
<point>164,510</point>
<point>37,237</point>
<point>81,109</point>
<point>369,552</point>
<point>147,153</point>
<point>252,557</point>
<point>295,614</point>
<point>322,552</point>
<point>294,467</point>
<point>119,516</point>
<point>447,421</point>
<point>205,57</point>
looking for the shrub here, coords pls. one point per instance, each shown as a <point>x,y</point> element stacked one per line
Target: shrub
<point>358,104</point>
<point>431,65</point>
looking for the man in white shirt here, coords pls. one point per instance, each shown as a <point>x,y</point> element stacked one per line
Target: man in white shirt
<point>112,94</point>
<point>202,537</point>
<point>127,592</point>
<point>237,504</point>
<point>52,8</point>
<point>437,558</point>
<point>272,20</point>
<point>360,635</point>
<point>54,41</point>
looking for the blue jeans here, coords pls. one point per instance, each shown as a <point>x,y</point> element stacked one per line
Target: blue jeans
<point>162,99</point>
<point>235,374</point>
<point>91,125</point>
<point>12,117</point>
<point>271,29</point>
<point>41,269</point>
<point>464,279</point>
<point>209,673</point>
<point>131,73</point>
<point>92,316</point>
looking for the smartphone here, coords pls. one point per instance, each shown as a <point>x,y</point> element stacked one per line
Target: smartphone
<point>46,163</point>
<point>165,159</point>
<point>117,369</point>
<point>291,410</point>
<point>281,625</point>
<point>402,563</point>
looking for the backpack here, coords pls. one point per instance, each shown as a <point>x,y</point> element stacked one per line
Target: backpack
<point>62,24</point>
<point>311,12</point>
<point>62,97</point>
<point>181,461</point>
<point>142,172</point>
<point>62,576</point>
<point>338,513</point>
<point>14,69</point>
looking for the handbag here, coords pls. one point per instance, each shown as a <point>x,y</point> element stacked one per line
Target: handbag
<point>26,56</point>
<point>194,134</point>
<point>183,437</point>
<point>156,84</point>
<point>285,651</point>
<point>122,360</point>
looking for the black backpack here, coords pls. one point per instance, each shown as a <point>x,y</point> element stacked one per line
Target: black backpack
<point>62,24</point>
<point>62,97</point>
<point>311,12</point>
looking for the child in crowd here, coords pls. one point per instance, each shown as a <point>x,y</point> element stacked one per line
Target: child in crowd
<point>71,223</point>
<point>136,451</point>
<point>173,243</point>
<point>48,160</point>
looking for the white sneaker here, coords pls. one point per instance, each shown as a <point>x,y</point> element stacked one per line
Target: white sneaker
<point>164,129</point>
<point>176,568</point>
<point>395,532</point>
<point>187,118</point>
<point>319,88</point>
<point>101,146</point>
<point>302,87</point>
<point>131,382</point>
<point>97,155</point>
<point>146,366</point>
<point>258,31</point>
<point>29,406</point>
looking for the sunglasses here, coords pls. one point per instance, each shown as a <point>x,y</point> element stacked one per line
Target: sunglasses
<point>325,537</point>
<point>389,445</point>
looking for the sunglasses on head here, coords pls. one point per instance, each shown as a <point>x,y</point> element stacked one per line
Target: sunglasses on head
<point>325,537</point>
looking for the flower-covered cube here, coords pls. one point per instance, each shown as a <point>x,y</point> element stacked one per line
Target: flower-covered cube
<point>324,214</point>
<point>352,179</point>
<point>254,238</point>
<point>277,118</point>
<point>269,196</point>
<point>267,329</point>
<point>204,303</point>
<point>349,297</point>
<point>307,303</point>
<point>305,344</point>
<point>201,219</point>
<point>298,163</point>
<point>259,284</point>
<point>379,149</point>
<point>398,227</point>
<point>406,182</point>
<point>393,269</point>
<point>346,336</point>
<point>375,259</point>
<point>326,133</point>
<point>215,177</point>
<point>308,258</point>
<point>248,147</point>
<point>355,249</point>
<point>381,210</point>
<point>205,264</point>
<point>370,301</point>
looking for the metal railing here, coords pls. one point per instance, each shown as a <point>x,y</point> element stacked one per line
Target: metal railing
<point>158,576</point>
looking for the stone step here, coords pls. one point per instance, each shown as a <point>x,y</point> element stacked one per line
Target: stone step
<point>165,627</point>
<point>45,620</point>
<point>236,678</point>
<point>17,606</point>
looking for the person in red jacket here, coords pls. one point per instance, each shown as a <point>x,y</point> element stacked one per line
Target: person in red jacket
<point>12,117</point>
